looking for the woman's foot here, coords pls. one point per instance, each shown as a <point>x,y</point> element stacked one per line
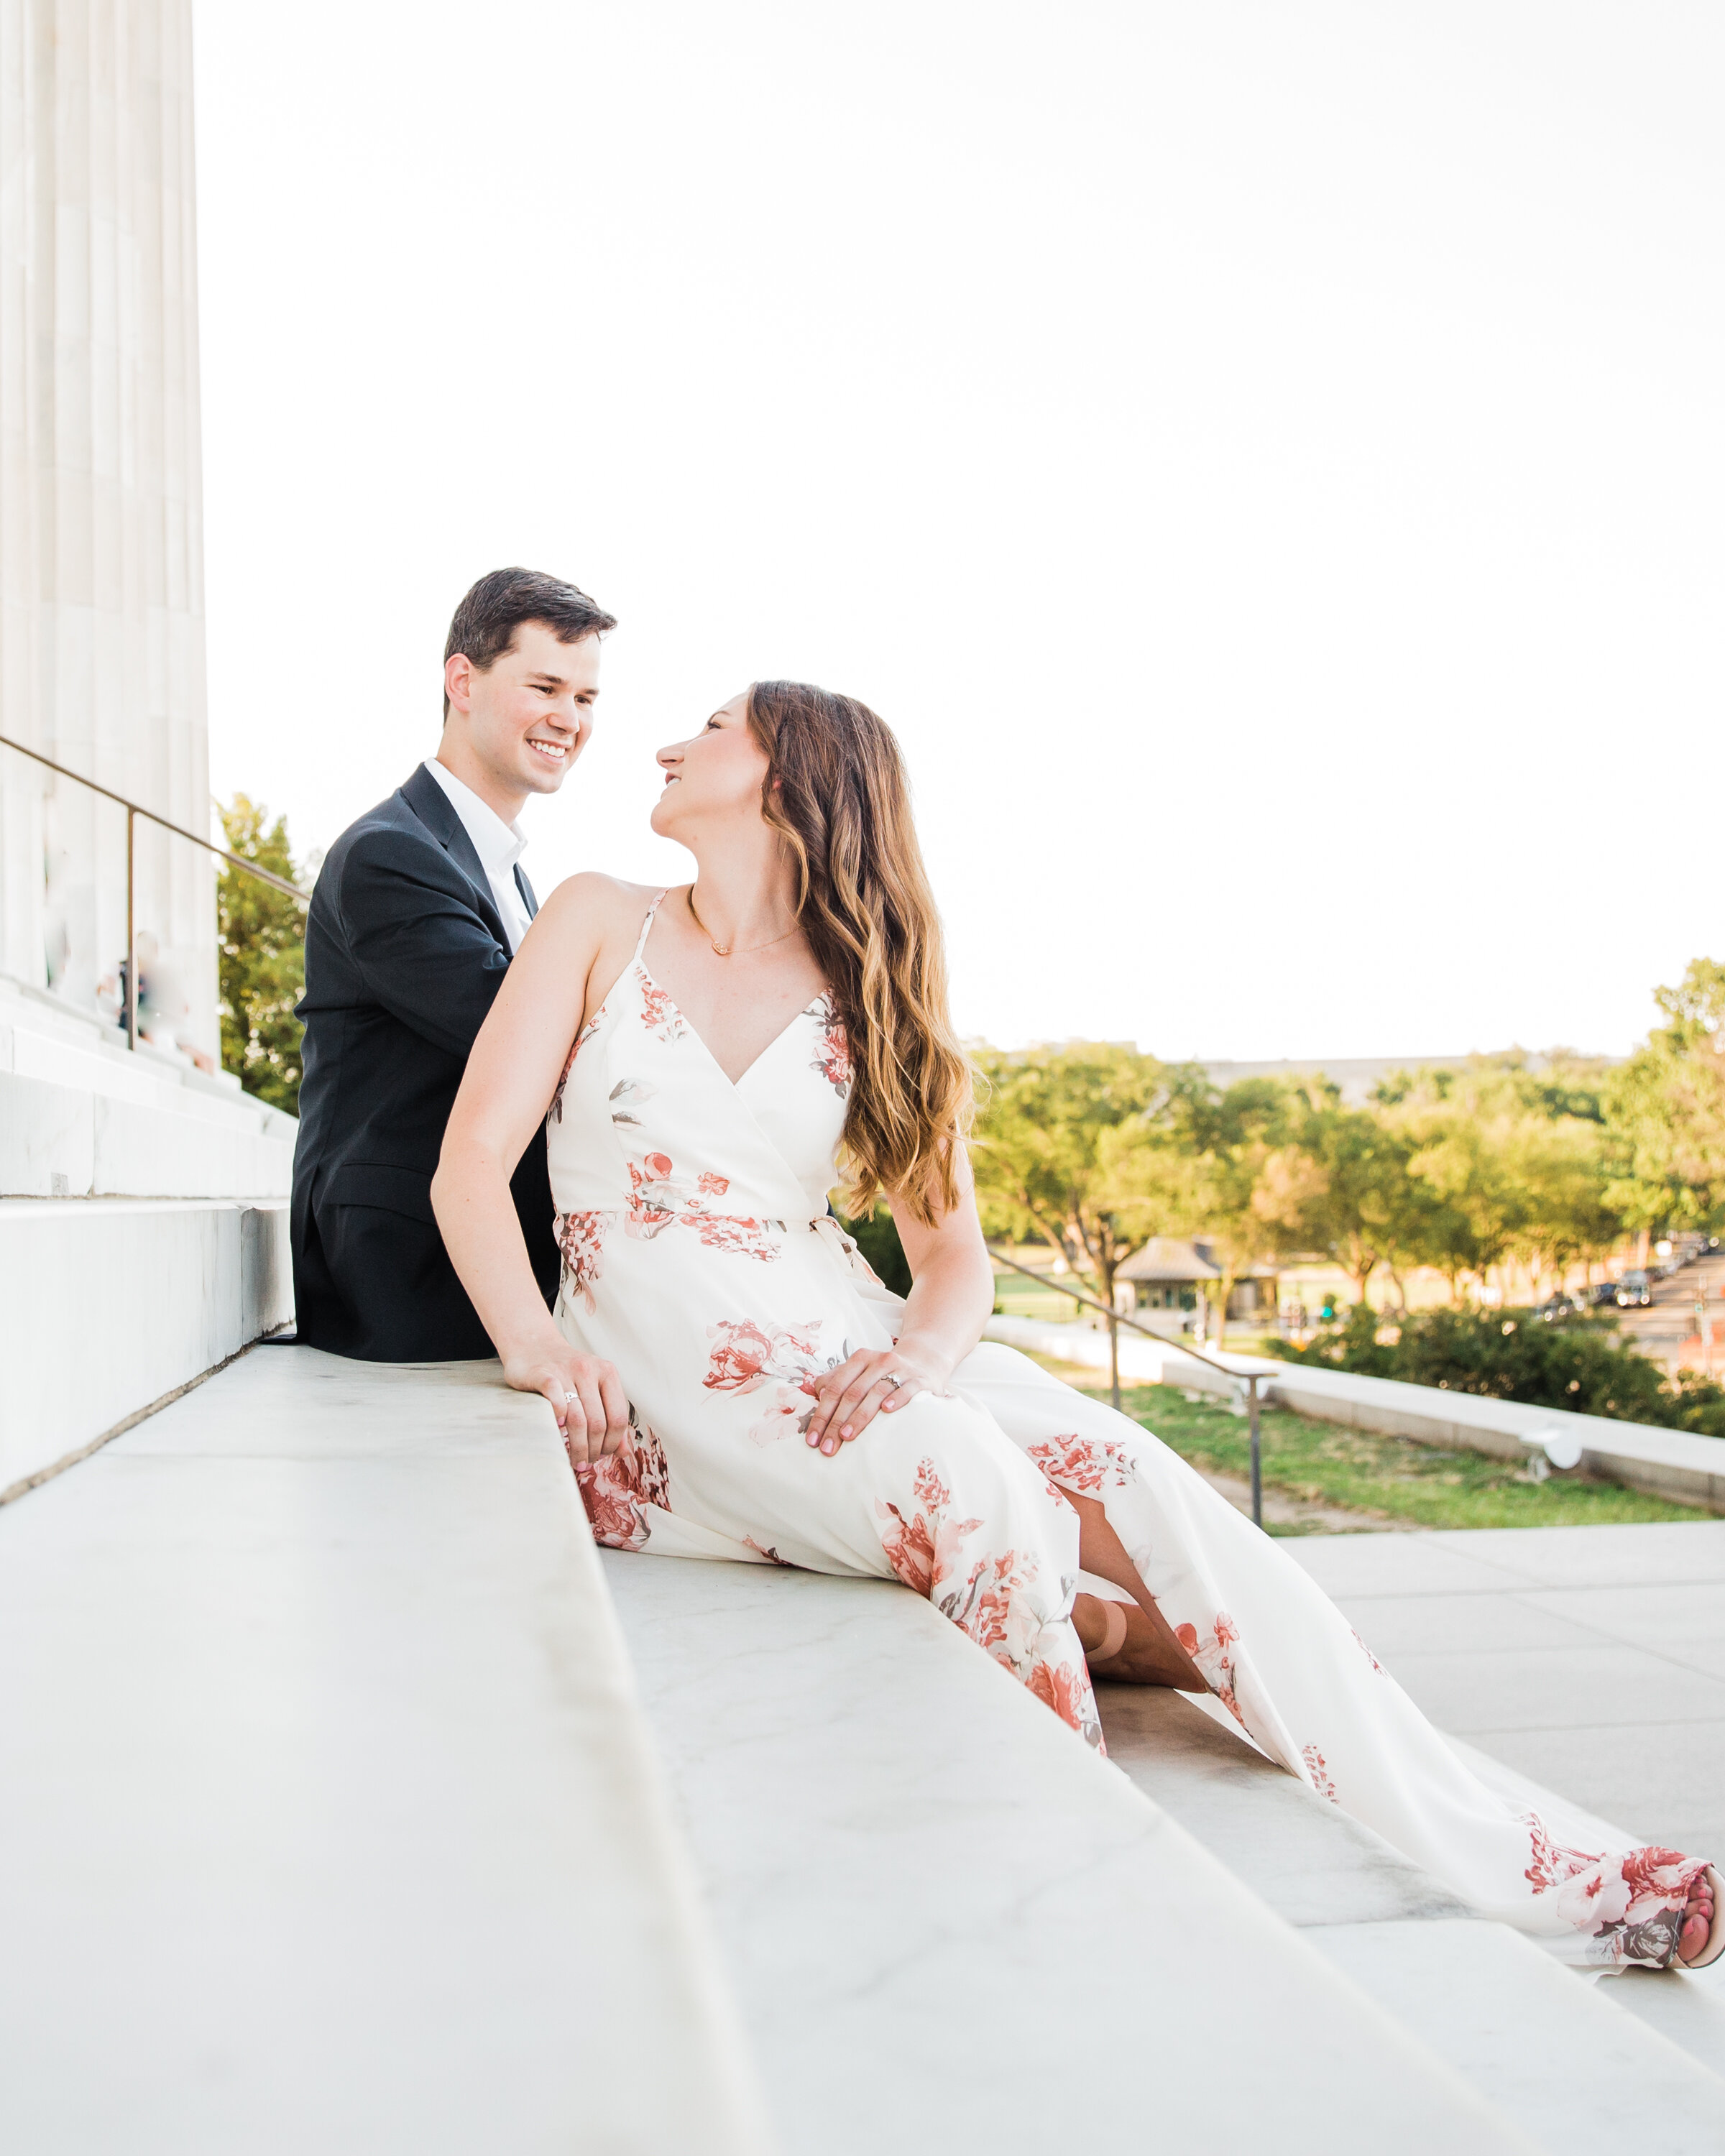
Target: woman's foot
<point>1700,1937</point>
<point>1121,1645</point>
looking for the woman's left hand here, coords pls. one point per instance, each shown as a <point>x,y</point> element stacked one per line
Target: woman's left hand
<point>875,1380</point>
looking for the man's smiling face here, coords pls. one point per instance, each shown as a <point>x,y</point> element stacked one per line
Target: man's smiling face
<point>520,722</point>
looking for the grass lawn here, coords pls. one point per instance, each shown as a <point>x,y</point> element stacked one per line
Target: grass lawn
<point>1323,1463</point>
<point>1015,1297</point>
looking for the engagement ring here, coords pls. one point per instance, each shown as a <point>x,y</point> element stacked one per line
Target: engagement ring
<point>894,1378</point>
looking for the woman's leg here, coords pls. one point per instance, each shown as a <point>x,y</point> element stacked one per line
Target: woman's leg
<point>1152,1655</point>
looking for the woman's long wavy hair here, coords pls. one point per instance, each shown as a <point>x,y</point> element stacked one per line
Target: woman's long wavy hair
<point>836,791</point>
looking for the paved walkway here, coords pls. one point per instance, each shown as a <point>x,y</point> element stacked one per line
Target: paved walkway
<point>1591,1658</point>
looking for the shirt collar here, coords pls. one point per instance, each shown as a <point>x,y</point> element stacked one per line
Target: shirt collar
<point>499,845</point>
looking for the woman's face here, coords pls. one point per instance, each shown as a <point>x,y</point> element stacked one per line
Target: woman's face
<point>715,777</point>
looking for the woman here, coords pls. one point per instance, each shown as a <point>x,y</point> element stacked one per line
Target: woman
<point>732,1382</point>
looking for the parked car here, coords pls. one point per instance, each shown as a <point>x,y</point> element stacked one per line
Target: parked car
<point>1634,1291</point>
<point>1556,1309</point>
<point>1602,1292</point>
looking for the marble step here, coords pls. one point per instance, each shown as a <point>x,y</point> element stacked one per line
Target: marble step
<point>41,1038</point>
<point>1584,2066</point>
<point>106,1304</point>
<point>331,1820</point>
<point>936,1906</point>
<point>81,1115</point>
<point>61,1140</point>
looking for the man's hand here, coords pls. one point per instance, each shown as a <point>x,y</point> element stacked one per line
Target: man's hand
<point>586,1395</point>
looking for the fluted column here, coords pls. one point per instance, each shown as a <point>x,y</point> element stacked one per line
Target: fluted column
<point>101,569</point>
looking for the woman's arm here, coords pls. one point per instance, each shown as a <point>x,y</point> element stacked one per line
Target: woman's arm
<point>949,1304</point>
<point>511,1076</point>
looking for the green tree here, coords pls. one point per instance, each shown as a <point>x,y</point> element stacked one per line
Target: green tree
<point>262,935</point>
<point>1231,1171</point>
<point>1664,1112</point>
<point>1357,1200</point>
<point>1061,1138</point>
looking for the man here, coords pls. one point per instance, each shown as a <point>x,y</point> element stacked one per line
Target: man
<point>418,910</point>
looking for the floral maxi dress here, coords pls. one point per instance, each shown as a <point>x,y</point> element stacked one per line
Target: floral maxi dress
<point>699,1256</point>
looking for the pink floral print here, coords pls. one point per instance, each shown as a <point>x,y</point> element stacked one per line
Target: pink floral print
<point>832,1051</point>
<point>1212,1660</point>
<point>617,1489</point>
<point>1067,1690</point>
<point>1319,1772</point>
<point>1367,1652</point>
<point>659,1013</point>
<point>752,1358</point>
<point>1083,1463</point>
<point>924,1547</point>
<point>659,1198</point>
<point>985,1593</point>
<point>581,1238</point>
<point>1630,1905</point>
<point>586,1033</point>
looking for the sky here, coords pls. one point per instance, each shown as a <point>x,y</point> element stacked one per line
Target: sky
<point>1266,462</point>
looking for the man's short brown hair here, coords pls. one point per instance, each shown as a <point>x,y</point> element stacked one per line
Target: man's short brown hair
<point>487,620</point>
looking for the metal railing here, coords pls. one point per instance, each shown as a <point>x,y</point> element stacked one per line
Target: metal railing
<point>1251,1378</point>
<point>133,810</point>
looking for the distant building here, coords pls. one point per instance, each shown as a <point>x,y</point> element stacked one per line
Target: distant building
<point>1168,1276</point>
<point>1356,1077</point>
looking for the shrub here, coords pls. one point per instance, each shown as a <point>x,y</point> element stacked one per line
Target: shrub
<point>877,1239</point>
<point>1514,1355</point>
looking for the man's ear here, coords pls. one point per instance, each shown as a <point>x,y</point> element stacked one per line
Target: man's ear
<point>458,681</point>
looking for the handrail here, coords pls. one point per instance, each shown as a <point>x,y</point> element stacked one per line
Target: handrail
<point>134,810</point>
<point>1116,1318</point>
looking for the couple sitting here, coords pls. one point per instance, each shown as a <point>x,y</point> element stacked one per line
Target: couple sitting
<point>598,1142</point>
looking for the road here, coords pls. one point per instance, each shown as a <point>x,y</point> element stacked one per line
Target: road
<point>1665,1331</point>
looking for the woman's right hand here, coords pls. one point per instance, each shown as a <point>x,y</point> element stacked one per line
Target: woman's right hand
<point>586,1395</point>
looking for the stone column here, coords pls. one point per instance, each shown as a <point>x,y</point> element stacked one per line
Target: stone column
<point>101,562</point>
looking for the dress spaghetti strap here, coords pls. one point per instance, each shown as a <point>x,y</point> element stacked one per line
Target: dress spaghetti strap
<point>641,940</point>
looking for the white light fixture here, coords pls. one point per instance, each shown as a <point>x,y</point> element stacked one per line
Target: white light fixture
<point>1561,1447</point>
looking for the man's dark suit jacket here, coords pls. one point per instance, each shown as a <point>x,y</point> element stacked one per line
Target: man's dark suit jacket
<point>404,952</point>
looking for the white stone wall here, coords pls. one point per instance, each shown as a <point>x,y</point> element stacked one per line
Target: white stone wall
<point>101,566</point>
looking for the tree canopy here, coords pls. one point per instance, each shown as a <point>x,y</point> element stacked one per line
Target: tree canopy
<point>261,936</point>
<point>1092,1146</point>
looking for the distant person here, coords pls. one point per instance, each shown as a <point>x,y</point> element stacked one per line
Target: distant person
<point>732,1382</point>
<point>418,910</point>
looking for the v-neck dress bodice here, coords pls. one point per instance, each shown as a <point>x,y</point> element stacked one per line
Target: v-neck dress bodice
<point>701,1259</point>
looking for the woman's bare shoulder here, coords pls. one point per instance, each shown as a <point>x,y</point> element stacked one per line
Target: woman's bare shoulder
<point>597,903</point>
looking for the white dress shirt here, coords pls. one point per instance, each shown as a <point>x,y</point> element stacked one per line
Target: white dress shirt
<point>499,845</point>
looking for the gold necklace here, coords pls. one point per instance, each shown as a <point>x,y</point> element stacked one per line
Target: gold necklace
<point>724,949</point>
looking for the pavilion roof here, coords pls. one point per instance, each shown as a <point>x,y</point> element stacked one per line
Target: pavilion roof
<point>1167,1258</point>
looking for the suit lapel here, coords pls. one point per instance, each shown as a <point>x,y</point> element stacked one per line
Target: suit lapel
<point>436,813</point>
